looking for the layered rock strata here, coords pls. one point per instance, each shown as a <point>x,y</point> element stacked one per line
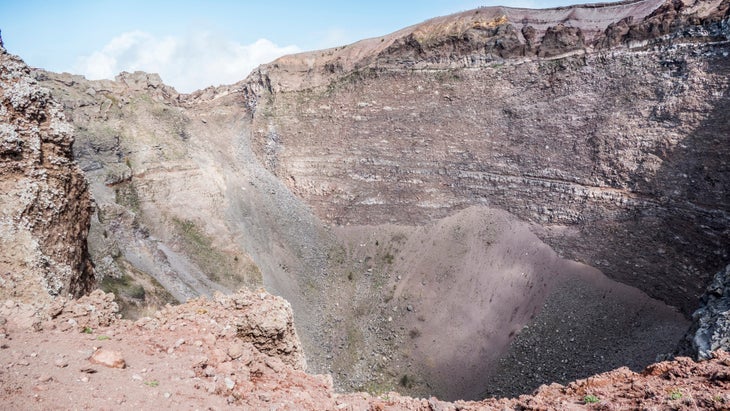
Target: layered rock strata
<point>618,156</point>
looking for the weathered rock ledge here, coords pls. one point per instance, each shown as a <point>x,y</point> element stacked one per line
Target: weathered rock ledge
<point>43,194</point>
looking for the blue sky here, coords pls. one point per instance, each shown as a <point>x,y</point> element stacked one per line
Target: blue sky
<point>193,44</point>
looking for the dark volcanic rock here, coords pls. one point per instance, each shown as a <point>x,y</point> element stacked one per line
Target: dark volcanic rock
<point>672,18</point>
<point>711,322</point>
<point>560,40</point>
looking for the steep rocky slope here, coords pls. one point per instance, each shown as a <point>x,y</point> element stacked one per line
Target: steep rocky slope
<point>613,144</point>
<point>159,192</point>
<point>419,197</point>
<point>44,201</point>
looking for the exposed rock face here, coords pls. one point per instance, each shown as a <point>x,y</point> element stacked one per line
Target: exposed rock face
<point>560,40</point>
<point>672,17</point>
<point>43,194</point>
<point>618,157</point>
<point>266,322</point>
<point>711,327</point>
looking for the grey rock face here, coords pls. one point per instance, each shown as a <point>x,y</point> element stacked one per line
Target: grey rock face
<point>711,328</point>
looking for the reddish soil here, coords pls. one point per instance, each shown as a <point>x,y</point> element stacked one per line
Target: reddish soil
<point>240,351</point>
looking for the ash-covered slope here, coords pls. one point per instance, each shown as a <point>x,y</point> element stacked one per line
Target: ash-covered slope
<point>44,202</point>
<point>160,233</point>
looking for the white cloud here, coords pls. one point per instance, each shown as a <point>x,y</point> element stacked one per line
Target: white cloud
<point>188,63</point>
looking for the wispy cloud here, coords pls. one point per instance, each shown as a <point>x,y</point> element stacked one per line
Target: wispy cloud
<point>333,37</point>
<point>194,61</point>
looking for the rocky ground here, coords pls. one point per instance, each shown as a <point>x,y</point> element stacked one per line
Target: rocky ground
<point>241,351</point>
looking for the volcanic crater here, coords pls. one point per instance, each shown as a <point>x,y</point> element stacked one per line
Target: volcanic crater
<point>470,207</point>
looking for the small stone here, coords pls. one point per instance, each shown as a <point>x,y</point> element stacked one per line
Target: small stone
<point>409,308</point>
<point>61,363</point>
<point>108,358</point>
<point>210,339</point>
<point>84,379</point>
<point>167,395</point>
<point>45,378</point>
<point>136,377</point>
<point>235,351</point>
<point>229,383</point>
<point>179,342</point>
<point>274,363</point>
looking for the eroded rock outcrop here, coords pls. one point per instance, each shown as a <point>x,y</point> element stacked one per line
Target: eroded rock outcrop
<point>44,200</point>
